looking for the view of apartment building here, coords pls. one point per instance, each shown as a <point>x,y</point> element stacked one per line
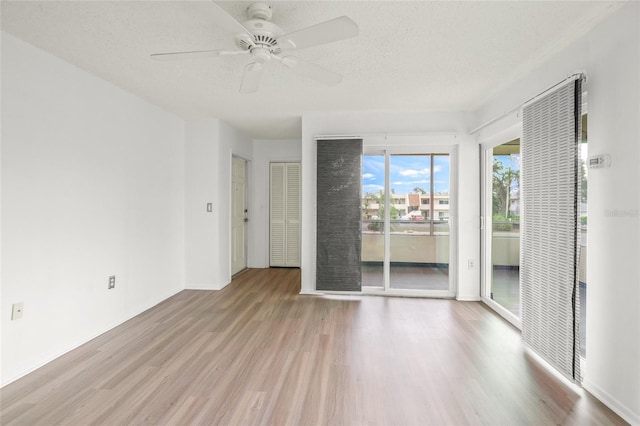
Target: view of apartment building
<point>411,206</point>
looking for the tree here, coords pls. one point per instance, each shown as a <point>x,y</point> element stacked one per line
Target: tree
<point>505,179</point>
<point>419,190</point>
<point>379,197</point>
<point>583,182</point>
<point>367,205</point>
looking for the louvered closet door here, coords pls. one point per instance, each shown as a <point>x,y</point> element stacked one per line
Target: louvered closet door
<point>277,215</point>
<point>292,220</point>
<point>284,227</point>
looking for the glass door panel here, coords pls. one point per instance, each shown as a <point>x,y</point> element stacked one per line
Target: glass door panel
<point>419,222</point>
<point>373,199</point>
<point>582,226</point>
<point>505,228</point>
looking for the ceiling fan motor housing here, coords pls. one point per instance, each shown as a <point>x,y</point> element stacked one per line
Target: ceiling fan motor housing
<point>265,35</point>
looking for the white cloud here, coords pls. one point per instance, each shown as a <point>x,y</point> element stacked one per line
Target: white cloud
<point>368,176</point>
<point>414,173</point>
<point>411,182</point>
<point>372,188</point>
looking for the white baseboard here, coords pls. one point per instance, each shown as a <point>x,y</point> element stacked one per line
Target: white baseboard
<point>468,298</point>
<point>209,287</point>
<point>616,406</point>
<point>310,292</point>
<point>76,345</point>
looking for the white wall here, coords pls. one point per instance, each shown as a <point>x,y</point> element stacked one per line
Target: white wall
<point>401,129</point>
<point>265,152</point>
<point>92,186</point>
<point>610,55</point>
<point>201,187</point>
<point>210,145</point>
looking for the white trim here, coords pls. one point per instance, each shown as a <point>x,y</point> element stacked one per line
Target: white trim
<point>468,299</point>
<point>486,145</point>
<point>385,136</point>
<point>386,259</point>
<point>335,137</point>
<point>503,312</point>
<point>394,292</point>
<point>336,293</point>
<point>247,206</point>
<point>83,341</point>
<point>500,137</point>
<point>399,292</point>
<point>572,77</point>
<point>575,387</point>
<point>580,75</point>
<point>309,293</point>
<point>452,152</point>
<point>616,406</point>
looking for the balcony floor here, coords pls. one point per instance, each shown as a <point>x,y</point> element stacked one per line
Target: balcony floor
<point>407,277</point>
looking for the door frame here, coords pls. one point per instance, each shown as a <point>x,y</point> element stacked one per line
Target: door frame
<point>388,151</point>
<point>486,225</point>
<point>246,223</point>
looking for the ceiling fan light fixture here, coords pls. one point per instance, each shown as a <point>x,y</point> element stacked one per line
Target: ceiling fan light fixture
<point>261,55</point>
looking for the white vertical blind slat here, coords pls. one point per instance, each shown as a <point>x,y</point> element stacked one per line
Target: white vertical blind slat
<point>549,228</point>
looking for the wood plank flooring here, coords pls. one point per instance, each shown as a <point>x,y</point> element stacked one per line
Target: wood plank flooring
<point>258,353</point>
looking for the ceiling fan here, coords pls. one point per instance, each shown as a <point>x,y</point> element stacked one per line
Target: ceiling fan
<point>265,41</point>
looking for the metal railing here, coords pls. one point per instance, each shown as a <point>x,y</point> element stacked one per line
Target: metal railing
<point>409,227</point>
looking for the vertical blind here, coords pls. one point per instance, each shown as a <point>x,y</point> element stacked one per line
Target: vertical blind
<point>549,228</point>
<point>339,234</point>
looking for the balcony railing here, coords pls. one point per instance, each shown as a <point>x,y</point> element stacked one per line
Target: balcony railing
<point>432,247</point>
<point>412,241</point>
<point>409,227</point>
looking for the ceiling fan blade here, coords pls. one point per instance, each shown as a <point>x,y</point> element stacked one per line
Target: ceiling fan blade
<point>311,70</point>
<point>195,54</point>
<point>176,56</point>
<point>223,20</point>
<point>251,78</point>
<point>325,32</point>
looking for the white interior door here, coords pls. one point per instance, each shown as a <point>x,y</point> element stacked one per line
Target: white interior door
<point>239,217</point>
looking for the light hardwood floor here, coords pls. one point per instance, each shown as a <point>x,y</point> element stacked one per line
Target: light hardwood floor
<point>259,353</point>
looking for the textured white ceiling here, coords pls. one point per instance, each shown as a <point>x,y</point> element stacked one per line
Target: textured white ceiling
<point>416,55</point>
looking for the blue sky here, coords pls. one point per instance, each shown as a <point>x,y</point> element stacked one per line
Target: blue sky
<point>512,161</point>
<point>406,173</point>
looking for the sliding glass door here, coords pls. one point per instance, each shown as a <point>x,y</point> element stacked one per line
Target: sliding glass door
<point>501,199</point>
<point>373,235</point>
<point>406,211</point>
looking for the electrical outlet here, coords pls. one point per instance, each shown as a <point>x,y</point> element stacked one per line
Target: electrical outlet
<point>16,311</point>
<point>471,264</point>
<point>112,282</point>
